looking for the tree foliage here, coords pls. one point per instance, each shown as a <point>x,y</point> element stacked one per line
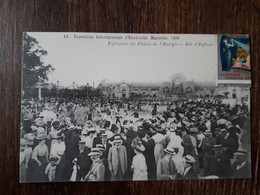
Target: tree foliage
<point>34,69</point>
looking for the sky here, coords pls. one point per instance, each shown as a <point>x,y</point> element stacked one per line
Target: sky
<point>91,60</point>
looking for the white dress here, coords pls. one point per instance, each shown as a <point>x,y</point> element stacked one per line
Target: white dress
<point>140,167</point>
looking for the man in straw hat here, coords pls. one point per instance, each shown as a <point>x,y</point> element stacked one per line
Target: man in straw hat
<point>166,169</point>
<point>97,169</point>
<point>117,159</point>
<point>228,144</point>
<point>241,168</point>
<point>189,172</point>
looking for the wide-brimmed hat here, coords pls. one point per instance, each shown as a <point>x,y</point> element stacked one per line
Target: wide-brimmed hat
<point>117,139</point>
<point>91,130</point>
<point>241,152</point>
<point>94,152</point>
<point>100,147</point>
<point>207,132</point>
<point>223,130</point>
<point>217,147</point>
<point>189,159</point>
<point>41,137</point>
<point>194,130</point>
<point>81,142</point>
<point>169,149</point>
<point>29,137</point>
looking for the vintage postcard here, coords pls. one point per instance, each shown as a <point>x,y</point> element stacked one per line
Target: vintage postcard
<point>134,107</point>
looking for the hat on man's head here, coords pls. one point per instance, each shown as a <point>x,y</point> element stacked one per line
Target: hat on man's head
<point>117,139</point>
<point>100,147</point>
<point>207,132</point>
<point>81,142</point>
<point>241,152</point>
<point>170,149</point>
<point>91,130</point>
<point>217,147</point>
<point>189,159</point>
<point>194,130</point>
<point>223,130</point>
<point>94,152</point>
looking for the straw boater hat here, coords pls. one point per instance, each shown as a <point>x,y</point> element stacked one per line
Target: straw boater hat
<point>216,147</point>
<point>94,152</point>
<point>100,147</point>
<point>241,152</point>
<point>81,142</point>
<point>207,132</point>
<point>169,149</point>
<point>117,139</point>
<point>194,130</point>
<point>91,130</point>
<point>189,159</point>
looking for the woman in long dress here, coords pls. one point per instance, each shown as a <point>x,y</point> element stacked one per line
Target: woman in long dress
<point>139,166</point>
<point>40,156</point>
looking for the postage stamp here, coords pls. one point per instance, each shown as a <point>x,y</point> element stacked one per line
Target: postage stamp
<point>234,59</point>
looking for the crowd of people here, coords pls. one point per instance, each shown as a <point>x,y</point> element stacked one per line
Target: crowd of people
<point>105,140</point>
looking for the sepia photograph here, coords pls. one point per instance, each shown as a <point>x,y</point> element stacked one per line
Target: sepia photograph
<point>133,107</point>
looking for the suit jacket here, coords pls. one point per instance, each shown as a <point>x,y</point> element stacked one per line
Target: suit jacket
<point>165,169</point>
<point>97,172</point>
<point>230,144</point>
<point>84,162</point>
<point>190,174</point>
<point>113,159</point>
<point>187,144</point>
<point>150,159</point>
<point>243,172</point>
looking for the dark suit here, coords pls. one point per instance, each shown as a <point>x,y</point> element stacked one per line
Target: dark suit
<point>220,166</point>
<point>84,163</point>
<point>150,159</point>
<point>243,172</point>
<point>190,174</point>
<point>187,145</point>
<point>230,146</point>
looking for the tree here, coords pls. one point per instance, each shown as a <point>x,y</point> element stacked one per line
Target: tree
<point>34,69</point>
